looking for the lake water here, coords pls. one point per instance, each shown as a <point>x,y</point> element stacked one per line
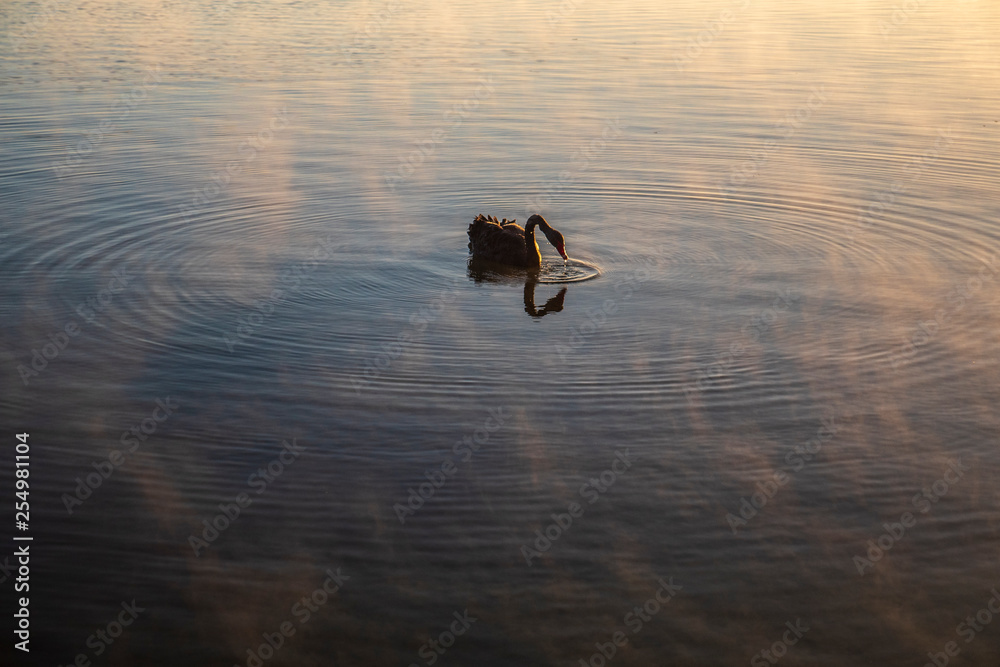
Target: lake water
<point>238,322</point>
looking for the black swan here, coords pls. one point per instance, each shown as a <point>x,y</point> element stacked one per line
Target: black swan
<point>505,242</point>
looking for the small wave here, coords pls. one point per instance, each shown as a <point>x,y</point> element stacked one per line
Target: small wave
<point>573,271</point>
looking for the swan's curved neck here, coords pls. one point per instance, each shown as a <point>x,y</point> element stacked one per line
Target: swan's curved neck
<point>531,247</point>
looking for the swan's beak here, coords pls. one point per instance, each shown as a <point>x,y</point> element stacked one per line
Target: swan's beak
<point>562,251</point>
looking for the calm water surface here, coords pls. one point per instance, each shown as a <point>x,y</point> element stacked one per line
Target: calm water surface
<point>251,216</point>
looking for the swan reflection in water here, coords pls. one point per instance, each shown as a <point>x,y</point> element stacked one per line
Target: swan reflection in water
<point>482,271</point>
<point>553,305</point>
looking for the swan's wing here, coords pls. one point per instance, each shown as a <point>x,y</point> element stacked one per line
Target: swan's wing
<point>488,240</point>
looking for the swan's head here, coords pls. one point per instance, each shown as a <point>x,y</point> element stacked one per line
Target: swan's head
<point>557,241</point>
<point>554,237</point>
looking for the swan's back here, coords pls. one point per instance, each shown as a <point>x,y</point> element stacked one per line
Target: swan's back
<point>497,241</point>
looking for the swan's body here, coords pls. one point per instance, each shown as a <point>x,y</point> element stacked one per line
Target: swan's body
<point>506,242</point>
